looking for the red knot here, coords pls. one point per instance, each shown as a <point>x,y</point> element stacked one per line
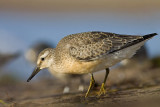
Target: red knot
<point>89,52</point>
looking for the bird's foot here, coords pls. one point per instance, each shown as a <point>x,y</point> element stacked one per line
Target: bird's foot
<point>102,91</point>
<point>92,82</point>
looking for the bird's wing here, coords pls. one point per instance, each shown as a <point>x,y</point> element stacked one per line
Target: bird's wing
<point>93,45</point>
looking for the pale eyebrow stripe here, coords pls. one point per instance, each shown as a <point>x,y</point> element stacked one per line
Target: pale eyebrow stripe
<point>45,54</point>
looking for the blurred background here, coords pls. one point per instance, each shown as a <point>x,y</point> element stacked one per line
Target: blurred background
<point>29,26</point>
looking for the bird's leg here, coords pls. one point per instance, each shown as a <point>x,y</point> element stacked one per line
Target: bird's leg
<point>92,82</point>
<point>102,90</point>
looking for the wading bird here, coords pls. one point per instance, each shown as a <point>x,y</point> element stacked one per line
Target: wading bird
<point>88,52</point>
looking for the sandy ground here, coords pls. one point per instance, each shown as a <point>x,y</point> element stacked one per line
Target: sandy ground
<point>134,85</point>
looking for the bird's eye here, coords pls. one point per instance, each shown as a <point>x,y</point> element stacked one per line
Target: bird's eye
<point>42,59</point>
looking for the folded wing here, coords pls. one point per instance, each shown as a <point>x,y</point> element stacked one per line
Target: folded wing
<point>95,45</point>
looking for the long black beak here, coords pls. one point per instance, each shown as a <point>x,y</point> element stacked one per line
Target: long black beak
<point>34,73</point>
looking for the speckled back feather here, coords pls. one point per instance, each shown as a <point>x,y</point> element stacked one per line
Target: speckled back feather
<point>90,46</point>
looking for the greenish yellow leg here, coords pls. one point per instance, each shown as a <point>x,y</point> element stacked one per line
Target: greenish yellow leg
<point>92,82</point>
<point>102,90</point>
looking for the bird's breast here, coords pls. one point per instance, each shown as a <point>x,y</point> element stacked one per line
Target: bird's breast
<point>77,67</point>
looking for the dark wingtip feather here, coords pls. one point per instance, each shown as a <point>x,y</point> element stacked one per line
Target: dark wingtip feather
<point>145,37</point>
<point>148,36</point>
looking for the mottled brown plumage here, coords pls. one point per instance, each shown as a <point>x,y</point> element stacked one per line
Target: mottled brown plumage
<point>89,46</point>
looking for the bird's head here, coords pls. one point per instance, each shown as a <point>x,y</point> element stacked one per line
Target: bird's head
<point>44,60</point>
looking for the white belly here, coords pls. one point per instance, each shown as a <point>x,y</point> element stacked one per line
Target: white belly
<point>126,53</point>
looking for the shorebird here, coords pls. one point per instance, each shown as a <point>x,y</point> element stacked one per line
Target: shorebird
<point>31,56</point>
<point>89,52</point>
